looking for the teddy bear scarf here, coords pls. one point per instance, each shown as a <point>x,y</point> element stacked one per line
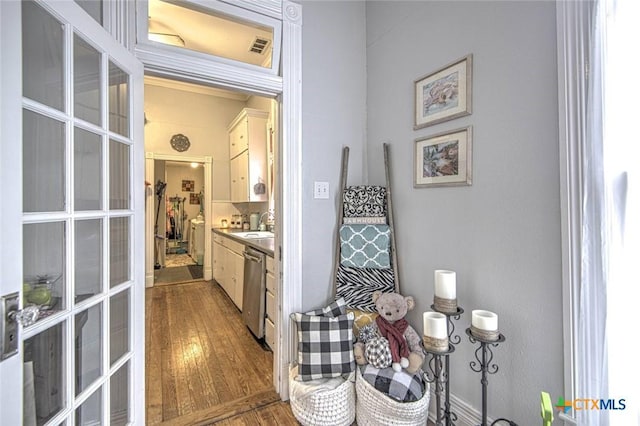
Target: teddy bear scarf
<point>394,333</point>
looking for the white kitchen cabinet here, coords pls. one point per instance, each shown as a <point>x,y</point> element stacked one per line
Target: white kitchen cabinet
<point>236,264</point>
<point>248,156</point>
<point>219,252</point>
<point>239,177</point>
<point>271,311</point>
<point>228,267</point>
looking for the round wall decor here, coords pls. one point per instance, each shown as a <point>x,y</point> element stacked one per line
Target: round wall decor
<point>180,142</point>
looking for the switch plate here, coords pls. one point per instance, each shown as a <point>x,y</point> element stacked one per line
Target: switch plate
<point>321,190</point>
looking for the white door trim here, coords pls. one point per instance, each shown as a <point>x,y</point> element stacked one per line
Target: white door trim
<point>290,190</point>
<point>150,158</point>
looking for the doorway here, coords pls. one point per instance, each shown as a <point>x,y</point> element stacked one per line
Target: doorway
<point>179,223</point>
<point>195,332</point>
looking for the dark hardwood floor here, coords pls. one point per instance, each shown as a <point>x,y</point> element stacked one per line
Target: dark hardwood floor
<point>203,366</point>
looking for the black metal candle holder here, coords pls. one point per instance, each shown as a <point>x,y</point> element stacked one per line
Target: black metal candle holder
<point>484,364</point>
<point>438,375</point>
<point>449,416</point>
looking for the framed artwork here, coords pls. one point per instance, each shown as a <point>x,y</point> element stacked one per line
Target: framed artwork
<point>443,159</point>
<point>194,198</point>
<point>188,185</point>
<point>444,94</point>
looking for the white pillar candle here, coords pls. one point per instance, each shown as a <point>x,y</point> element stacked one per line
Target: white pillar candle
<point>445,284</point>
<point>435,325</point>
<point>484,320</point>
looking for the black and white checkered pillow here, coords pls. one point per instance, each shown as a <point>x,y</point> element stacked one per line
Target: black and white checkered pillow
<point>339,307</point>
<point>325,346</point>
<point>400,385</point>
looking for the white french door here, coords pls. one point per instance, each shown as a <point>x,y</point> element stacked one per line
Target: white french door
<point>71,163</point>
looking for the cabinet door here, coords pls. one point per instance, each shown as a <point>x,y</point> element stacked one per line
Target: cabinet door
<point>218,263</point>
<point>238,139</point>
<point>236,292</point>
<point>239,178</point>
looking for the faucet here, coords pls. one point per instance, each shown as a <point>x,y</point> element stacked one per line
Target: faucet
<point>261,216</point>
<point>269,223</point>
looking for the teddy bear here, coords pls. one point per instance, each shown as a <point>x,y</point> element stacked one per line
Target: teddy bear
<point>404,342</point>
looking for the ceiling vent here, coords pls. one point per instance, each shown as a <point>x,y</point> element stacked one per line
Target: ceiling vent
<point>259,45</point>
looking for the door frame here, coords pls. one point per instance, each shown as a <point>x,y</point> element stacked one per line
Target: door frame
<point>287,89</point>
<point>150,158</point>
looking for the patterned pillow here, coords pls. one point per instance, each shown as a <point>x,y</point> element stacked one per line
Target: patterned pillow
<point>364,201</point>
<point>325,346</point>
<point>378,352</point>
<point>400,385</point>
<point>339,307</point>
<point>361,319</point>
<point>365,246</point>
<point>357,285</point>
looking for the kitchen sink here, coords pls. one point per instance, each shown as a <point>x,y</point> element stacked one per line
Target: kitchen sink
<point>254,234</point>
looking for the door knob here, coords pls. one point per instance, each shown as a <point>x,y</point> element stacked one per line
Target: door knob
<point>10,317</point>
<point>25,317</point>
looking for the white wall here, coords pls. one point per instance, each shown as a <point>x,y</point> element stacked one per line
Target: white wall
<point>333,113</point>
<point>202,118</point>
<point>502,234</point>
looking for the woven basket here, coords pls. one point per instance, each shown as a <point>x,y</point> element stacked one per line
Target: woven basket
<point>332,407</point>
<point>375,408</point>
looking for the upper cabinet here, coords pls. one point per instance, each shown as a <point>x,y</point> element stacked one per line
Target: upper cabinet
<point>248,156</point>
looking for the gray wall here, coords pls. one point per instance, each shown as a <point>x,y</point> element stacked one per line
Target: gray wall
<point>502,234</point>
<point>334,115</point>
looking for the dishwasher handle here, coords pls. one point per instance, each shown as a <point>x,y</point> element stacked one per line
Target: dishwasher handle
<point>252,258</point>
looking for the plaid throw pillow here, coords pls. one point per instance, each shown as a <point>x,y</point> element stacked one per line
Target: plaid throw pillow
<point>337,308</point>
<point>401,386</point>
<point>325,346</point>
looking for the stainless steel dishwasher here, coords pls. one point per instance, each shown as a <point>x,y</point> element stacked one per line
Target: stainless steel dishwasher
<point>253,298</point>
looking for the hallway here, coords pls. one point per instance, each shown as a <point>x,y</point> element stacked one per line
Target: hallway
<point>202,362</point>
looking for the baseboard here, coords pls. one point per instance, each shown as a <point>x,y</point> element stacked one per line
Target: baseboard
<point>149,279</point>
<point>467,415</point>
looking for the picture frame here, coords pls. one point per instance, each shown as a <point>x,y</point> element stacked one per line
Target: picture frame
<point>443,159</point>
<point>188,185</point>
<point>444,94</point>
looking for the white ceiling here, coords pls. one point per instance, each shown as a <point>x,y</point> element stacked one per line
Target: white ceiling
<point>208,32</point>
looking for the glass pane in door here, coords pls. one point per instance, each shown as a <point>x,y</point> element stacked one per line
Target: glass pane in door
<point>88,346</point>
<point>118,250</point>
<point>87,169</point>
<point>118,175</point>
<point>43,248</point>
<point>44,388</point>
<point>90,412</point>
<point>86,81</point>
<point>119,325</point>
<point>88,258</point>
<point>43,157</point>
<point>93,8</point>
<point>120,396</point>
<point>118,100</point>
<point>42,56</point>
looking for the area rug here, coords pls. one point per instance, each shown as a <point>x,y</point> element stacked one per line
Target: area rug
<point>173,260</point>
<point>178,274</point>
<point>196,272</point>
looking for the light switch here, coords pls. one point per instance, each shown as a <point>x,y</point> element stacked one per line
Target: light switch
<point>321,190</point>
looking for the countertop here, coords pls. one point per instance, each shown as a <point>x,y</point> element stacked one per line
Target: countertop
<point>265,245</point>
